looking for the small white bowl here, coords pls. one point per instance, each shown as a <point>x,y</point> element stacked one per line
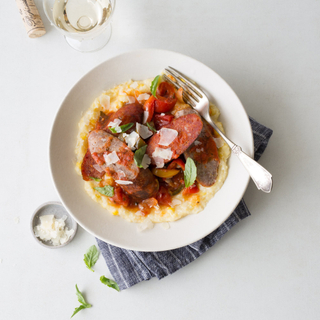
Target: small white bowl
<point>58,210</point>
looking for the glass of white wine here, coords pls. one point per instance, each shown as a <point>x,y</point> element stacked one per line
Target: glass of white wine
<point>84,23</point>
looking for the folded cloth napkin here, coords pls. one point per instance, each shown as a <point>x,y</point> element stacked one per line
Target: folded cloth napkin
<point>130,267</point>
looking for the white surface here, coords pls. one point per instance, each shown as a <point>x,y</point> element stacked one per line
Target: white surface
<point>267,267</point>
<point>140,65</point>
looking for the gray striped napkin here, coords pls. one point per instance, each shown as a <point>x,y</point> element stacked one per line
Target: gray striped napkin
<point>130,267</point>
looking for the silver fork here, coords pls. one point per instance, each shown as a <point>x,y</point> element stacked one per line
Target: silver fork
<point>194,96</point>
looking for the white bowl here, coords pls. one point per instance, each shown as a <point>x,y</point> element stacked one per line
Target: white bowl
<point>139,65</point>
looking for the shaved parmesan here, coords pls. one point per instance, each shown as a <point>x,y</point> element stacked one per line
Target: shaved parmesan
<point>165,225</point>
<point>197,143</point>
<point>111,158</point>
<point>145,161</point>
<point>124,182</point>
<point>175,202</point>
<point>54,230</point>
<point>131,99</point>
<point>121,174</point>
<point>167,136</point>
<point>98,168</point>
<point>143,97</point>
<point>198,150</point>
<point>145,116</point>
<point>219,142</point>
<point>105,102</point>
<point>145,225</point>
<point>114,123</point>
<point>134,85</point>
<point>164,154</point>
<point>143,131</point>
<point>131,139</point>
<point>159,162</point>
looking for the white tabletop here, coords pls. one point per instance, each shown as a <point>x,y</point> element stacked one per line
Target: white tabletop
<point>267,267</point>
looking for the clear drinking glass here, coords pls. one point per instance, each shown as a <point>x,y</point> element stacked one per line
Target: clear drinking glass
<point>85,24</point>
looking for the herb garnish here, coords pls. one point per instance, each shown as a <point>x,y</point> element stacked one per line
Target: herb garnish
<point>151,127</point>
<point>106,190</point>
<point>110,283</point>
<point>154,85</point>
<point>95,179</point>
<point>83,302</point>
<point>138,156</point>
<point>91,257</point>
<point>190,173</point>
<point>123,128</point>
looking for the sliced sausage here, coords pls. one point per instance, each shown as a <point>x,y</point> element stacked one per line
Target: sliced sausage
<point>188,128</point>
<point>87,169</point>
<point>203,151</point>
<point>132,112</point>
<point>144,185</point>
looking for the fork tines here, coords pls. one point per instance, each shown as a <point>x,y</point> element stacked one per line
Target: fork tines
<point>191,91</point>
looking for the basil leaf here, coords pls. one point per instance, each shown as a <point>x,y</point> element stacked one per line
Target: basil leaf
<point>91,257</point>
<point>106,190</point>
<point>154,85</point>
<point>77,310</point>
<point>138,155</point>
<point>95,179</point>
<point>151,127</point>
<point>110,283</point>
<point>190,173</point>
<point>81,299</point>
<point>123,128</point>
<point>83,302</point>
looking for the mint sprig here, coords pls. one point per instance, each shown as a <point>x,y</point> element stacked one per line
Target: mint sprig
<point>110,283</point>
<point>83,302</point>
<point>138,155</point>
<point>95,179</point>
<point>106,190</point>
<point>91,257</point>
<point>151,127</point>
<point>123,128</point>
<point>154,85</point>
<point>190,173</point>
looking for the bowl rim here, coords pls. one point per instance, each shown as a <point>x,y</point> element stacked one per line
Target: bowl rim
<point>91,70</point>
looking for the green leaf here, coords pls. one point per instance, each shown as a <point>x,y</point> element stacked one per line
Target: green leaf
<point>151,127</point>
<point>110,283</point>
<point>138,155</point>
<point>154,85</point>
<point>190,173</point>
<point>123,128</point>
<point>91,257</point>
<point>106,190</point>
<point>95,179</point>
<point>83,302</point>
<point>77,310</point>
<point>81,299</point>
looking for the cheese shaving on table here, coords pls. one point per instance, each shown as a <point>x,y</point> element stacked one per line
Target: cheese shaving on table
<point>143,96</point>
<point>124,182</point>
<point>52,229</point>
<point>131,139</point>
<point>111,158</point>
<point>145,116</point>
<point>145,161</point>
<point>164,154</point>
<point>143,131</point>
<point>167,136</point>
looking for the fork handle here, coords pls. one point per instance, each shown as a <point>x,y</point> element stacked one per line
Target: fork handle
<point>260,176</point>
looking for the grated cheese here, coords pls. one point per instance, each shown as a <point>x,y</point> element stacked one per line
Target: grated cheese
<point>167,136</point>
<point>52,229</point>
<point>143,131</point>
<point>111,158</point>
<point>143,97</point>
<point>165,154</point>
<point>145,161</point>
<point>131,139</point>
<point>124,182</point>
